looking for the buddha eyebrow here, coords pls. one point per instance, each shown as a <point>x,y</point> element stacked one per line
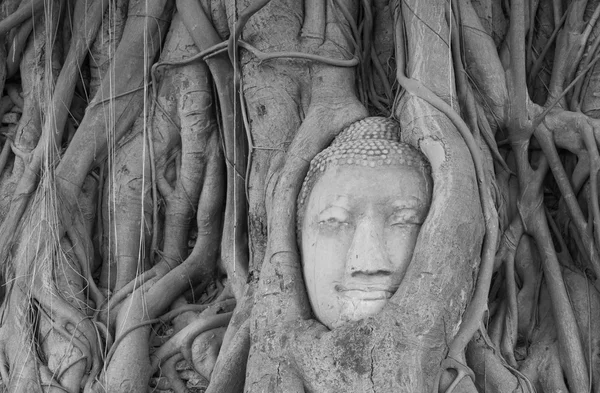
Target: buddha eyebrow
<point>333,207</point>
<point>337,200</point>
<point>411,204</point>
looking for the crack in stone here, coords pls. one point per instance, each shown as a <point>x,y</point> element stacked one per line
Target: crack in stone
<point>278,374</point>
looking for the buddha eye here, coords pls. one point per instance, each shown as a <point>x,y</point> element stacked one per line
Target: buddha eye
<point>334,217</point>
<point>404,224</point>
<point>333,221</point>
<point>404,218</point>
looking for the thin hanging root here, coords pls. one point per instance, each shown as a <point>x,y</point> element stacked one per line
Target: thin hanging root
<point>54,126</point>
<point>243,18</point>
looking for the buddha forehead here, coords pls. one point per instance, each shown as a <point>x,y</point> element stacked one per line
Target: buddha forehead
<point>356,187</point>
<point>372,143</point>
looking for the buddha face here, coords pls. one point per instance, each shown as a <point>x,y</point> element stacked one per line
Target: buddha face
<point>358,235</point>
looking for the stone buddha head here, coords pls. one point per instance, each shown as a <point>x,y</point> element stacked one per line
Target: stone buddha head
<point>360,211</point>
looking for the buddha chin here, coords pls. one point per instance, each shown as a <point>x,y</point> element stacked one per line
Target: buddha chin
<point>357,305</point>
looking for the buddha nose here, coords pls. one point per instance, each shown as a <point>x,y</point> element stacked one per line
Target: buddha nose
<point>366,255</point>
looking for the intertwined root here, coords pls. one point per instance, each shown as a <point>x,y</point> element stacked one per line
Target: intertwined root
<point>110,151</point>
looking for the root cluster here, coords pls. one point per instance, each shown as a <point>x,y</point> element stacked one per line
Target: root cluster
<point>152,152</point>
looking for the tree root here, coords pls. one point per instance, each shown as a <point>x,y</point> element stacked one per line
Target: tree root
<point>461,372</point>
<point>196,267</point>
<point>49,342</point>
<point>169,371</point>
<point>205,349</point>
<point>281,296</point>
<point>229,373</point>
<point>478,303</point>
<point>491,374</point>
<point>182,341</point>
<point>3,365</point>
<point>112,303</point>
<point>24,12</point>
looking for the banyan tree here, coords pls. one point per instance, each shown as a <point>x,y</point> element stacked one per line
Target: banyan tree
<point>153,183</point>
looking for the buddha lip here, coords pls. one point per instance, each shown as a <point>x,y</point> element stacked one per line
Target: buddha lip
<point>366,292</point>
<point>365,288</point>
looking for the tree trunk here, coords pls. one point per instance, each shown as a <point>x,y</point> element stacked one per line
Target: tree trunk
<point>153,153</point>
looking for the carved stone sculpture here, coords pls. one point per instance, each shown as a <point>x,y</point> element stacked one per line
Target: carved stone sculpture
<point>360,211</point>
